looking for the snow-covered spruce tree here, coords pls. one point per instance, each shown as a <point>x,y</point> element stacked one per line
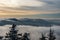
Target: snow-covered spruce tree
<point>1,37</point>
<point>13,34</point>
<point>26,36</point>
<point>51,35</point>
<point>43,37</point>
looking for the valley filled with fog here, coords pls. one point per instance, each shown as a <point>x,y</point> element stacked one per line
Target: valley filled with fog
<point>35,32</point>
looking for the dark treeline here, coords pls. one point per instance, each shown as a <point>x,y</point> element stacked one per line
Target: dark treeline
<point>14,35</point>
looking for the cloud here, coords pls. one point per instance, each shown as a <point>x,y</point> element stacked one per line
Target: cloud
<point>19,3</point>
<point>52,3</point>
<point>49,5</point>
<point>29,7</point>
<point>41,5</point>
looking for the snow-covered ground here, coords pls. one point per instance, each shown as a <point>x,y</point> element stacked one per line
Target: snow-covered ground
<point>35,32</point>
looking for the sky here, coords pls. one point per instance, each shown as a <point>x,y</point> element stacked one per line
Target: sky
<point>29,7</point>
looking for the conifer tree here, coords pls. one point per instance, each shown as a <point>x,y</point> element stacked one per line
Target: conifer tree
<point>51,35</point>
<point>13,34</point>
<point>1,37</point>
<point>26,36</point>
<point>43,37</point>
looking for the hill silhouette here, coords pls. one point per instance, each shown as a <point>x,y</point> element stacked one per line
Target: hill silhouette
<point>27,21</point>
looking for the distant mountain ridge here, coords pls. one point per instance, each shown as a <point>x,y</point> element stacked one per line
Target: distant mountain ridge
<point>27,21</point>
